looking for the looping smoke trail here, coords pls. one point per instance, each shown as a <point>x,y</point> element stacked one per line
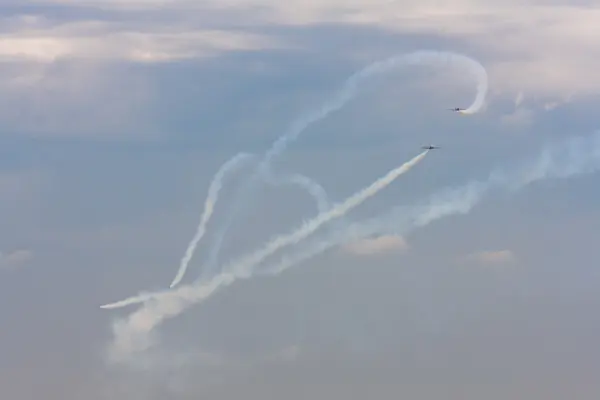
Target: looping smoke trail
<point>211,199</point>
<point>559,160</point>
<point>235,162</point>
<point>309,227</point>
<point>348,91</point>
<point>134,334</point>
<point>311,186</point>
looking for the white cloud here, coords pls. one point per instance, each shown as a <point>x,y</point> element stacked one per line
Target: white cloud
<point>74,98</point>
<point>103,41</point>
<point>66,78</point>
<point>377,245</point>
<point>497,257</point>
<point>540,50</point>
<point>15,259</point>
<point>549,49</point>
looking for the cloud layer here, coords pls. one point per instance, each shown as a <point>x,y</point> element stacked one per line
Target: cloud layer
<point>543,48</point>
<point>85,69</point>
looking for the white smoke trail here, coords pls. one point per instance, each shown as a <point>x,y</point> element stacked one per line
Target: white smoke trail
<point>311,226</point>
<point>348,91</point>
<point>560,160</point>
<point>312,187</point>
<point>245,265</point>
<point>421,57</point>
<point>134,334</point>
<point>209,203</point>
<point>140,298</point>
<point>399,221</point>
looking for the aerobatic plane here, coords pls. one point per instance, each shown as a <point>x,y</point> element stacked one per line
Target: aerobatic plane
<point>456,109</point>
<point>430,147</point>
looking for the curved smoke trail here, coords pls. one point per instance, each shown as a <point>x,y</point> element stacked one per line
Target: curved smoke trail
<point>209,203</point>
<point>560,160</point>
<point>311,186</point>
<point>248,262</point>
<point>348,91</point>
<point>235,162</point>
<point>135,332</point>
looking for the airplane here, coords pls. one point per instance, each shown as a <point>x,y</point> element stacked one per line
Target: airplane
<point>430,147</point>
<point>456,109</point>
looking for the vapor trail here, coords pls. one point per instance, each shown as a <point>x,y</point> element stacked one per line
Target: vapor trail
<point>140,298</point>
<point>422,57</point>
<point>312,187</point>
<point>400,221</point>
<point>348,91</point>
<point>564,159</point>
<point>248,262</point>
<point>209,203</point>
<point>245,265</point>
<point>559,160</point>
<point>135,332</point>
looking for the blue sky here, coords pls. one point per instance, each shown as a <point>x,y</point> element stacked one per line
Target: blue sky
<point>115,115</point>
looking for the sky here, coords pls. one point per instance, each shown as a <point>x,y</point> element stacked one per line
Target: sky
<point>472,275</point>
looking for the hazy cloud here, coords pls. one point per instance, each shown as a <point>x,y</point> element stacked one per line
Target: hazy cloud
<point>377,245</point>
<point>15,259</point>
<point>493,257</point>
